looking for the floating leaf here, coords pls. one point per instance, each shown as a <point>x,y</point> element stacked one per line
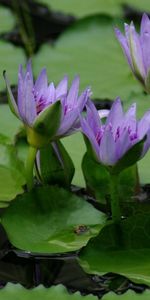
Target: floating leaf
<point>88,7</point>
<point>123,248</point>
<point>53,220</point>
<point>128,296</point>
<point>7,19</point>
<point>17,292</point>
<point>12,57</point>
<point>75,146</point>
<point>103,66</point>
<point>9,124</point>
<point>85,7</point>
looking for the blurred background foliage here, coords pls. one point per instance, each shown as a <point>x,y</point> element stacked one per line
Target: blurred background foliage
<point>69,37</point>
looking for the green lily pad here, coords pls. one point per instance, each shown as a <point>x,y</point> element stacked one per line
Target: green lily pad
<point>90,49</point>
<point>84,8</point>
<point>12,175</point>
<point>53,221</point>
<point>12,57</point>
<point>123,249</point>
<point>72,144</point>
<point>9,124</point>
<point>138,4</point>
<point>127,296</point>
<point>59,292</point>
<point>7,19</point>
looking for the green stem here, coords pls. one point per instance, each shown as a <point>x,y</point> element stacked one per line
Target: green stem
<point>29,166</point>
<point>115,205</point>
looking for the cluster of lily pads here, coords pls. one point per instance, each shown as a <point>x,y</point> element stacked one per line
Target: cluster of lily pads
<point>48,217</point>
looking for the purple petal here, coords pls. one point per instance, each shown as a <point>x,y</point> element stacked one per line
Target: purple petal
<point>62,87</point>
<point>143,126</point>
<point>124,45</point>
<point>29,70</point>
<point>90,135</point>
<point>26,102</point>
<point>115,115</point>
<point>145,41</point>
<point>20,72</point>
<point>83,99</point>
<point>129,120</point>
<point>93,118</point>
<point>123,144</point>
<point>73,92</point>
<point>67,122</point>
<point>12,102</point>
<point>41,82</point>
<point>146,144</point>
<point>136,53</point>
<point>50,94</point>
<point>107,151</point>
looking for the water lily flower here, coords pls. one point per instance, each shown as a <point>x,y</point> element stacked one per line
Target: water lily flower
<point>121,141</point>
<point>136,48</point>
<point>48,112</point>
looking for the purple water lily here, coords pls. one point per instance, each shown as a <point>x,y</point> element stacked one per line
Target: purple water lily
<point>35,100</point>
<point>121,131</point>
<point>136,48</point>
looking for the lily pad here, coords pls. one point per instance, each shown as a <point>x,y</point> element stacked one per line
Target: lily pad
<point>7,19</point>
<point>127,296</point>
<point>84,8</point>
<point>138,4</point>
<point>12,57</point>
<point>9,124</point>
<point>52,220</point>
<point>90,49</point>
<point>12,176</point>
<point>123,249</point>
<point>75,146</point>
<point>17,292</point>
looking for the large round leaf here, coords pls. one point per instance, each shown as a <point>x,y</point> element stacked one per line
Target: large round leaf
<point>91,50</point>
<point>123,248</point>
<point>128,296</point>
<point>143,5</point>
<point>17,292</point>
<point>87,7</point>
<point>9,124</point>
<point>52,220</point>
<point>7,19</point>
<point>10,58</point>
<point>72,144</point>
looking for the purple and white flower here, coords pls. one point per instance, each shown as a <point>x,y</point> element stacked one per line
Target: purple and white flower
<point>121,131</point>
<point>39,100</point>
<point>136,48</point>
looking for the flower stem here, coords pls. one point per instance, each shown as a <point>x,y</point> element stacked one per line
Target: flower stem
<point>115,206</point>
<point>29,166</point>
